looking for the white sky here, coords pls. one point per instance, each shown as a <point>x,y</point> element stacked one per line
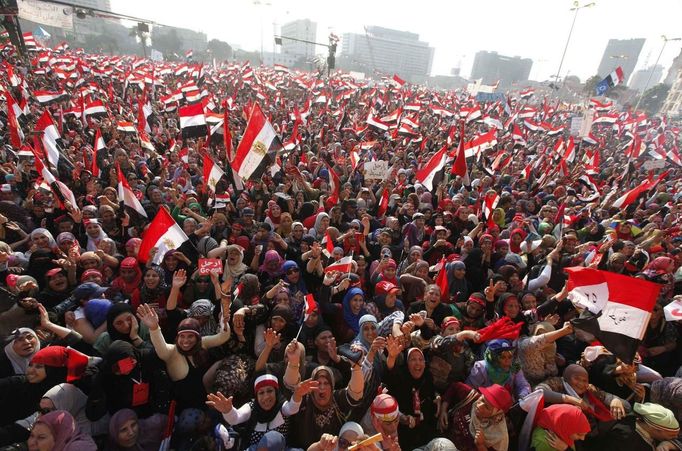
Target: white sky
<point>456,28</point>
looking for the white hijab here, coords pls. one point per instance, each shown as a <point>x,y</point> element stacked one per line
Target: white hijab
<point>20,363</point>
<point>496,435</point>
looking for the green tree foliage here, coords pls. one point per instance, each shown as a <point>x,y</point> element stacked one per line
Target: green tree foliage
<point>653,98</point>
<point>220,50</point>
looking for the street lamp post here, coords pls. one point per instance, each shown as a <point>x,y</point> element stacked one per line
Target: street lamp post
<point>576,7</point>
<point>651,72</point>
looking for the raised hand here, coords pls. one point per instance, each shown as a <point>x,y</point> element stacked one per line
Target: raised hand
<point>393,346</point>
<point>490,291</point>
<point>292,351</point>
<point>179,278</point>
<point>271,337</point>
<point>305,387</point>
<point>219,402</point>
<point>148,316</point>
<point>44,318</point>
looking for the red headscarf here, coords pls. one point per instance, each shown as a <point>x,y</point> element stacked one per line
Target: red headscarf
<point>58,356</point>
<point>564,420</point>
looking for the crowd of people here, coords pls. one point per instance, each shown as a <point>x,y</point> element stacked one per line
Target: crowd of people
<point>453,314</point>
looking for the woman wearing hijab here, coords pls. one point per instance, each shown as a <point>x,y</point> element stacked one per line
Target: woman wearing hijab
<point>71,399</point>
<point>267,412</point>
<point>39,263</point>
<point>93,235</point>
<point>500,366</point>
<point>320,227</point>
<point>386,302</point>
<point>122,325</point>
<point>477,264</point>
<point>130,278</point>
<point>17,354</point>
<point>352,309</point>
<point>281,321</point>
<point>186,359</point>
<point>153,291</point>
<point>49,367</point>
<point>558,427</point>
<point>412,386</point>
<point>325,409</point>
<point>458,286</point>
<point>537,352</point>
<point>471,418</point>
<point>58,431</point>
<point>574,388</point>
<point>57,288</point>
<point>129,377</point>
<point>659,344</point>
<point>349,433</point>
<point>414,280</point>
<point>127,432</point>
<point>41,239</point>
<point>234,263</point>
<point>271,269</point>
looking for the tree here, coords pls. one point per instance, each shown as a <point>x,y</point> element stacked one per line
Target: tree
<point>653,98</point>
<point>591,85</point>
<point>220,50</point>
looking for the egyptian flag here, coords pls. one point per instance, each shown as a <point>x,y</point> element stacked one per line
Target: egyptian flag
<point>212,172</point>
<point>16,135</point>
<point>258,148</point>
<point>397,81</point>
<point>60,190</point>
<point>334,187</point>
<point>460,166</point>
<point>427,173</point>
<point>45,97</point>
<point>49,137</point>
<point>632,195</point>
<point>310,305</point>
<point>617,308</point>
<point>343,265</point>
<point>126,127</point>
<point>442,280</point>
<point>489,204</point>
<point>164,234</point>
<point>95,108</point>
<point>126,194</point>
<point>527,93</point>
<point>383,204</point>
<point>192,121</point>
<point>99,146</point>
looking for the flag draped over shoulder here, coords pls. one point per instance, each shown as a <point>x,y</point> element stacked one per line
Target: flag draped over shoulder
<point>617,308</point>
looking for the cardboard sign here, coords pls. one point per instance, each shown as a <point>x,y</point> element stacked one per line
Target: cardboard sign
<point>208,265</point>
<point>376,170</point>
<point>673,311</point>
<point>654,164</point>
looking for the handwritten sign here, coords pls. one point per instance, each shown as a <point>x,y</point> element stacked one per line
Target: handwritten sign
<point>654,164</point>
<point>590,297</point>
<point>623,319</point>
<point>376,170</point>
<point>208,265</point>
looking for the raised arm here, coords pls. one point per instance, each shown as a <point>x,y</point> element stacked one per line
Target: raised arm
<point>149,318</point>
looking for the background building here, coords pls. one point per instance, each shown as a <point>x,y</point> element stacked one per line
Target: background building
<point>304,29</point>
<point>492,67</point>
<point>387,51</point>
<point>623,53</point>
<point>639,78</point>
<point>673,103</point>
<point>674,69</point>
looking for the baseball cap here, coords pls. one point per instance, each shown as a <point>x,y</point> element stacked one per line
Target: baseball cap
<point>88,290</point>
<point>386,287</point>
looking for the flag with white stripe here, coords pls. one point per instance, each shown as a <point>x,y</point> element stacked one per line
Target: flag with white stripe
<point>258,147</point>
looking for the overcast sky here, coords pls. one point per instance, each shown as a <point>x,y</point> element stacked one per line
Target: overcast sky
<point>536,29</point>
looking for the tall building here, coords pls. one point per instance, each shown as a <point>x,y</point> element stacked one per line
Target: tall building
<point>492,67</point>
<point>640,77</point>
<point>623,53</point>
<point>388,51</point>
<point>304,29</point>
<point>673,71</point>
<point>673,103</point>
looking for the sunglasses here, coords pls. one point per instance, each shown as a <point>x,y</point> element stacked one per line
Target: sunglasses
<point>293,270</point>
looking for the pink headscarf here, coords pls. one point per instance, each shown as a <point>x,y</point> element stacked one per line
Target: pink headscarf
<point>67,435</point>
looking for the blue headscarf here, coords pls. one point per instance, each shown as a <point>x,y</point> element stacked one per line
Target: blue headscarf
<point>293,287</point>
<point>352,320</point>
<point>359,339</point>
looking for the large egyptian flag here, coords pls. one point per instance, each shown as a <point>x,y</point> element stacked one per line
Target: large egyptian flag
<point>164,234</point>
<point>192,121</point>
<point>617,308</point>
<point>258,148</point>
